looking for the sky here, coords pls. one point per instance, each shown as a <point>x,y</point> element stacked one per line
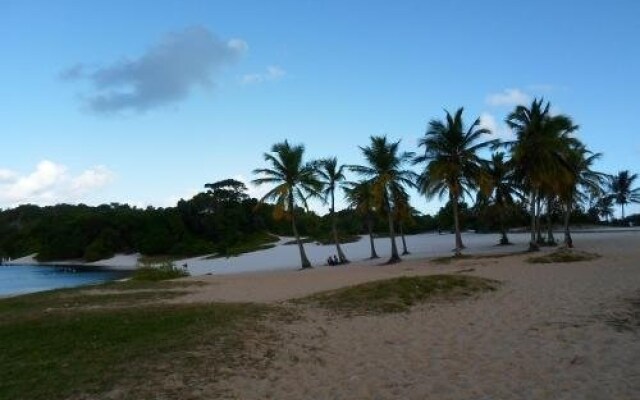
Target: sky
<point>144,102</point>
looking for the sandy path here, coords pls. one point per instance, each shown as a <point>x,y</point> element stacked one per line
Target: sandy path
<point>542,336</point>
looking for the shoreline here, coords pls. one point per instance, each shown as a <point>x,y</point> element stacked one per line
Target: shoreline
<point>285,258</point>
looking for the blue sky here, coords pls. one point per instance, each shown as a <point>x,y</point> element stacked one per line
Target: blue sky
<point>220,82</point>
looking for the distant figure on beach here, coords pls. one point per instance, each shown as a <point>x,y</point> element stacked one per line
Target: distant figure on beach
<point>335,260</point>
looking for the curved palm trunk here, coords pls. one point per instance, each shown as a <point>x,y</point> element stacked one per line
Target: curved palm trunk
<point>303,256</point>
<point>456,226</point>
<point>551,241</point>
<point>533,246</point>
<point>373,246</point>
<point>404,241</point>
<point>392,236</point>
<point>568,241</point>
<point>622,204</point>
<point>334,229</point>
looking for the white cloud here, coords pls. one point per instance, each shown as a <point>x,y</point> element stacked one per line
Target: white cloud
<point>50,183</point>
<point>165,74</point>
<point>508,97</point>
<point>499,130</point>
<point>92,178</point>
<point>7,175</point>
<point>272,73</point>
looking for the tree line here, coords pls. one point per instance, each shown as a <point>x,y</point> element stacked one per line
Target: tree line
<point>544,175</point>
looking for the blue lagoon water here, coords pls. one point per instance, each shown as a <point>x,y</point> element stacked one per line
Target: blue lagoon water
<point>23,279</point>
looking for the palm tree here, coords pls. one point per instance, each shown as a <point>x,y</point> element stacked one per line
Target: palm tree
<point>604,207</point>
<point>331,176</point>
<point>452,163</point>
<point>359,196</point>
<point>541,139</point>
<point>621,191</point>
<point>385,172</point>
<point>295,181</point>
<point>581,178</point>
<point>502,188</point>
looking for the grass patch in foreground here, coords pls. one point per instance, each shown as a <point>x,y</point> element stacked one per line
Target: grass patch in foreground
<point>563,256</point>
<point>399,294</point>
<point>87,353</point>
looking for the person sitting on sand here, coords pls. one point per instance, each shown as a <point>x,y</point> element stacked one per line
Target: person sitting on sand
<point>330,261</point>
<point>335,260</point>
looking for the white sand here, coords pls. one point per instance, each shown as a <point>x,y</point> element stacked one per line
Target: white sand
<point>541,336</point>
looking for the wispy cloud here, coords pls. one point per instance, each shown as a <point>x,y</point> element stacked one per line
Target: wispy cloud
<point>499,130</point>
<point>165,74</point>
<point>50,183</point>
<point>509,98</point>
<point>272,73</point>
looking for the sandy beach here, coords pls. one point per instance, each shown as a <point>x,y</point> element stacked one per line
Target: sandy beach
<point>545,334</point>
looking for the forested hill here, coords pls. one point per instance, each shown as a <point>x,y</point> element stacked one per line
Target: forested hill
<point>216,221</point>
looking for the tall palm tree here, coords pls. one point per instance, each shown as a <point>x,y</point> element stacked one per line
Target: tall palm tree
<point>295,181</point>
<point>622,191</point>
<point>359,196</point>
<point>331,176</point>
<point>582,179</point>
<point>502,189</point>
<point>385,170</point>
<point>541,139</point>
<point>452,162</point>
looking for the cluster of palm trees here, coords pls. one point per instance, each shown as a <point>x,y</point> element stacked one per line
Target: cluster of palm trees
<point>545,165</point>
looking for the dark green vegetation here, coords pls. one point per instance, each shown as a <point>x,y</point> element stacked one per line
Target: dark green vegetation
<point>70,343</point>
<point>563,256</point>
<point>399,294</point>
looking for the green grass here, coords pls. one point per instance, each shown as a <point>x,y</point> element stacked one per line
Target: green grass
<point>50,349</point>
<point>563,256</point>
<point>398,294</point>
<point>161,272</point>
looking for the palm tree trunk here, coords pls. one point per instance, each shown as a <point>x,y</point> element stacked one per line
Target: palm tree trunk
<point>303,256</point>
<point>456,226</point>
<point>392,236</point>
<point>334,229</point>
<point>539,239</point>
<point>504,240</point>
<point>404,241</point>
<point>568,241</point>
<point>551,241</point>
<point>622,204</point>
<point>533,246</point>
<point>373,246</point>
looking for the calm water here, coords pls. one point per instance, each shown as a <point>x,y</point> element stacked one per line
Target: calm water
<point>28,279</point>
